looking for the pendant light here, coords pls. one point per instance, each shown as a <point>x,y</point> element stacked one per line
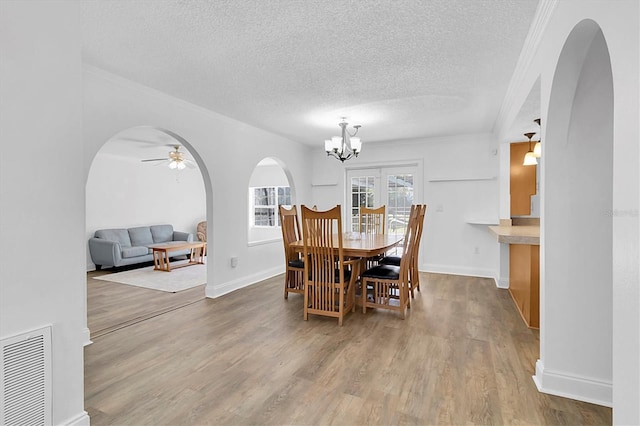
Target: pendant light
<point>530,158</point>
<point>537,148</point>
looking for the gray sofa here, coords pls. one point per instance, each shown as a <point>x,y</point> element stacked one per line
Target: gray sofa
<point>119,247</point>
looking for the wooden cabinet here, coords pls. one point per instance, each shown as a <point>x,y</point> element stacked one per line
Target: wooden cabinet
<point>524,281</point>
<point>523,181</point>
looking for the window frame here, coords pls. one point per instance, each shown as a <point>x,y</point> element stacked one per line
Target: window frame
<point>274,207</point>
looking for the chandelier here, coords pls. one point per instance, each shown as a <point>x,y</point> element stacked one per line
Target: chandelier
<point>345,146</point>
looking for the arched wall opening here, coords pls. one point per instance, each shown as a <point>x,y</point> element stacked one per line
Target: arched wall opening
<point>576,309</point>
<point>270,185</point>
<point>122,191</point>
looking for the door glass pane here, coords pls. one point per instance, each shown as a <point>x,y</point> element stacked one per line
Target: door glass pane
<point>362,194</point>
<point>399,200</point>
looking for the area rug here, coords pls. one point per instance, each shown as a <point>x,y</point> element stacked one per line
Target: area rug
<point>173,282</point>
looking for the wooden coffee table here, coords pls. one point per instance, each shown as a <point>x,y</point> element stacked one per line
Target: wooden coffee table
<point>161,255</point>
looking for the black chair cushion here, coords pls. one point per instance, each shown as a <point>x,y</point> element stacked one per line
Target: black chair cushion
<point>347,275</point>
<point>383,272</point>
<point>298,263</point>
<point>391,260</point>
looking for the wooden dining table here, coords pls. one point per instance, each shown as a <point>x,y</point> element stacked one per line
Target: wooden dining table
<point>361,245</point>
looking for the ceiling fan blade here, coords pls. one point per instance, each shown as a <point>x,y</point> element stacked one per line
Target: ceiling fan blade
<point>154,159</point>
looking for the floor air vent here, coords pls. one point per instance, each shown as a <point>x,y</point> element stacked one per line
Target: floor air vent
<point>25,378</point>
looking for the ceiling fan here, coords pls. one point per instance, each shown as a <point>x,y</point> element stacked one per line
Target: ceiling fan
<point>176,159</point>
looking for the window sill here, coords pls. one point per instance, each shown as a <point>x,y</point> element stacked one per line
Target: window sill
<point>264,242</point>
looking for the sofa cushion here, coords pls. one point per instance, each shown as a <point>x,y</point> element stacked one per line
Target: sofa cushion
<point>134,251</point>
<point>119,235</point>
<point>140,236</point>
<point>161,233</point>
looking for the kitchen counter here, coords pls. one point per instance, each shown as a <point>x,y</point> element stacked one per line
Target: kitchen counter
<point>517,234</point>
<point>523,238</point>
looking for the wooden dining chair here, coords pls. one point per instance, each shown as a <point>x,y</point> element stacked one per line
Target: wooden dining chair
<point>373,220</point>
<point>387,286</point>
<point>417,214</point>
<point>329,277</point>
<point>294,265</point>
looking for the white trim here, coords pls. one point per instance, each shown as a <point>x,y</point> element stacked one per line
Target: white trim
<point>81,419</point>
<point>87,336</point>
<point>502,282</point>
<point>264,242</point>
<point>509,108</point>
<point>415,162</point>
<point>459,270</point>
<point>573,387</point>
<point>458,179</point>
<point>216,290</point>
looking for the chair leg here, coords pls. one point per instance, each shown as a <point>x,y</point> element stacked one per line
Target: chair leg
<point>286,284</point>
<point>305,312</point>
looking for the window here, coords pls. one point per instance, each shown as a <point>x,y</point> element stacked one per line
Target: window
<point>264,204</point>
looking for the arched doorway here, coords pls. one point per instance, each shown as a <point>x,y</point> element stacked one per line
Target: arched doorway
<point>125,190</point>
<point>576,310</point>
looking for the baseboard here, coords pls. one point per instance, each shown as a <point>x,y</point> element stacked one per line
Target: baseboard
<point>502,282</point>
<point>459,270</point>
<point>81,419</point>
<point>213,291</point>
<point>573,387</point>
<point>87,336</point>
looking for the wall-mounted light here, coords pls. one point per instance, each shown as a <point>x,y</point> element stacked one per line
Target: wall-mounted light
<point>530,158</point>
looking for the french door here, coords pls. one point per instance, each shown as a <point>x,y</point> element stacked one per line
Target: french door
<point>395,187</point>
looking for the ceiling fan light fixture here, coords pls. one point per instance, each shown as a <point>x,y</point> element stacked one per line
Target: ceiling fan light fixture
<point>175,160</point>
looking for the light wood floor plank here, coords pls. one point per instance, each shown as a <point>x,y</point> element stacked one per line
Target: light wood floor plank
<point>462,356</point>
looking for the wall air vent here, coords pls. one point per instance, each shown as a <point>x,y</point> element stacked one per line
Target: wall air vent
<point>25,379</point>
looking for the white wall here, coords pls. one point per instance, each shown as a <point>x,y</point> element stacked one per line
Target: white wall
<point>449,241</point>
<point>578,264</point>
<point>620,24</point>
<point>226,151</point>
<point>42,271</point>
<point>123,192</point>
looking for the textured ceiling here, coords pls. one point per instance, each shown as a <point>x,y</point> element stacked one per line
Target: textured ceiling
<point>402,69</point>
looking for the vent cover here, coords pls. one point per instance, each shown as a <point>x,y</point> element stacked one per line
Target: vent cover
<point>25,379</point>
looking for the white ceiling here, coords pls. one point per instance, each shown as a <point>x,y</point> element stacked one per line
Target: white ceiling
<point>401,68</point>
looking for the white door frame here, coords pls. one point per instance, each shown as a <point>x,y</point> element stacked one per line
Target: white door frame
<point>416,166</point>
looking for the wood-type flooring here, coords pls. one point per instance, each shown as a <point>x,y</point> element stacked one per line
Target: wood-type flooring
<point>462,356</point>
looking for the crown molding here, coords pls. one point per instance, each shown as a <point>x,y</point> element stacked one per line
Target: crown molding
<point>512,103</point>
